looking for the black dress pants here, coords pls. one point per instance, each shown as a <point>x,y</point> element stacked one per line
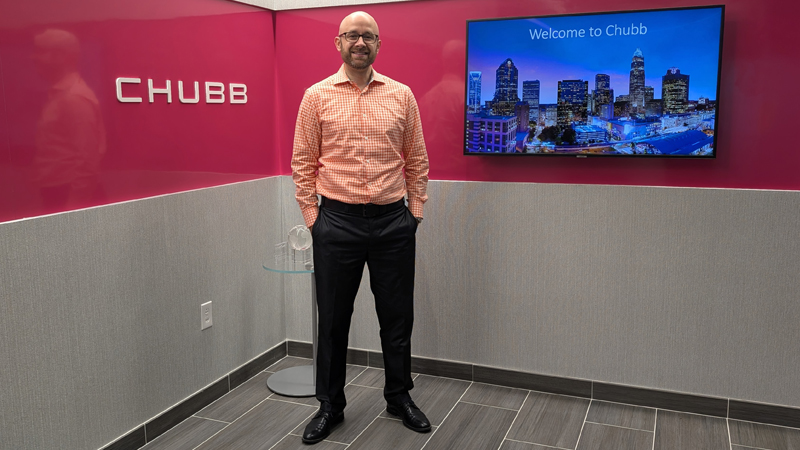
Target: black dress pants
<point>343,242</point>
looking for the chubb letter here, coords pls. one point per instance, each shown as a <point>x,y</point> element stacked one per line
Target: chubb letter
<point>215,92</point>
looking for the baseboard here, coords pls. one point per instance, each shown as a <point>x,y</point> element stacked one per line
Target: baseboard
<point>632,395</point>
<point>159,425</point>
<point>764,413</point>
<point>653,398</point>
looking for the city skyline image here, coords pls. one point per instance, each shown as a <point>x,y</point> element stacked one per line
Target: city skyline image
<point>642,82</point>
<point>686,39</point>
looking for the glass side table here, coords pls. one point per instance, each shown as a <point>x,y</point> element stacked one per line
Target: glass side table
<point>297,381</point>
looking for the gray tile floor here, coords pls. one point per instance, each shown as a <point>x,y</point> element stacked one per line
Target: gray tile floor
<point>464,415</point>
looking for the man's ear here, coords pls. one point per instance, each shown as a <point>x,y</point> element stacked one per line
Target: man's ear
<point>337,41</point>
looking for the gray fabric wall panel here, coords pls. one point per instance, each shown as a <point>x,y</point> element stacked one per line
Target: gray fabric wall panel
<point>692,290</point>
<point>101,318</point>
<point>681,289</point>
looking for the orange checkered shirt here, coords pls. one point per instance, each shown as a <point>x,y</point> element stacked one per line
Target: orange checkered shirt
<point>354,146</point>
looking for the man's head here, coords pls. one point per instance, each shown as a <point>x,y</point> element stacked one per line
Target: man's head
<point>56,53</point>
<point>357,53</point>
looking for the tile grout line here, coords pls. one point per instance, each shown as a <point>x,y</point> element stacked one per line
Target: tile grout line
<point>764,424</point>
<point>290,432</point>
<point>367,387</point>
<point>687,412</point>
<point>444,377</point>
<point>287,401</point>
<point>448,415</point>
<point>563,395</point>
<point>752,448</point>
<point>504,386</point>
<point>144,425</point>
<point>541,445</point>
<point>728,426</point>
<point>617,426</point>
<point>354,378</point>
<point>583,425</point>
<point>226,426</point>
<point>514,421</point>
<point>365,429</point>
<point>625,404</point>
<point>237,387</point>
<point>655,426</point>
<point>206,418</point>
<point>228,377</point>
<point>489,406</point>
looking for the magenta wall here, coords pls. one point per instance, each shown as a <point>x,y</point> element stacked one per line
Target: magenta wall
<point>51,161</point>
<point>424,46</point>
<point>159,148</point>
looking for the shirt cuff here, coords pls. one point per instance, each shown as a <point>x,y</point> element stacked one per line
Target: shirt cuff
<point>415,206</point>
<point>310,215</point>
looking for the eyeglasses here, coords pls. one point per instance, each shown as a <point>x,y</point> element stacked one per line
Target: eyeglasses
<point>352,36</point>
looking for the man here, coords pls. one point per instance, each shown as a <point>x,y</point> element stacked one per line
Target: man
<point>358,144</point>
<point>70,135</point>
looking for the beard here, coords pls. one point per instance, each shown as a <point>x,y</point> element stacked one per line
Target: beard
<point>347,57</point>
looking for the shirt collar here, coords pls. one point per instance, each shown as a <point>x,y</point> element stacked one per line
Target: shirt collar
<point>341,77</point>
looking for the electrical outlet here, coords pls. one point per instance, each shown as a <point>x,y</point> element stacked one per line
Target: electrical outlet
<point>205,316</point>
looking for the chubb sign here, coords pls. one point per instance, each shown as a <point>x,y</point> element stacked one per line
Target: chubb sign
<point>214,92</point>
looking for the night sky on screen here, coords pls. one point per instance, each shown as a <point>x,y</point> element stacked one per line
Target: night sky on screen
<point>686,39</point>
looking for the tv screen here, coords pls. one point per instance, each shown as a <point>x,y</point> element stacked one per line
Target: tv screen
<point>638,83</point>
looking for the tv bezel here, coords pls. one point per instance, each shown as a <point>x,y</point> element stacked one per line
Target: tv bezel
<point>712,156</point>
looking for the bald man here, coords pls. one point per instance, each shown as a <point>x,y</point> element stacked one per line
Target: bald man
<point>358,145</point>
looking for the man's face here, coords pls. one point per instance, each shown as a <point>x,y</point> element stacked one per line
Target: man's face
<point>358,54</point>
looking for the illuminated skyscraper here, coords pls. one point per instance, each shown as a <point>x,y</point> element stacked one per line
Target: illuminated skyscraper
<point>636,91</point>
<point>530,94</point>
<point>548,114</point>
<point>572,100</point>
<point>603,94</point>
<point>522,111</point>
<point>506,92</point>
<point>648,94</point>
<point>675,91</point>
<point>474,95</point>
<point>487,133</point>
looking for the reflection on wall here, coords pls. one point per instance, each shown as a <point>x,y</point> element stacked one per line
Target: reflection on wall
<point>443,104</point>
<point>67,142</point>
<point>70,135</point>
<point>752,153</point>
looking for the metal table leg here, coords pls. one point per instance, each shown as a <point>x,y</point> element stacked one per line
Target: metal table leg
<point>300,381</point>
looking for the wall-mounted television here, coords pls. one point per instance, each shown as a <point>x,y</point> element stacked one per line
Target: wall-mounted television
<point>632,84</point>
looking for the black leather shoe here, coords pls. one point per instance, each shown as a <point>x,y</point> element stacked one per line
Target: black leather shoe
<point>412,417</point>
<point>321,426</point>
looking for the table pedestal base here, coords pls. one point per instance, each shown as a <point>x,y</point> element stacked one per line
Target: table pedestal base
<point>293,382</point>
